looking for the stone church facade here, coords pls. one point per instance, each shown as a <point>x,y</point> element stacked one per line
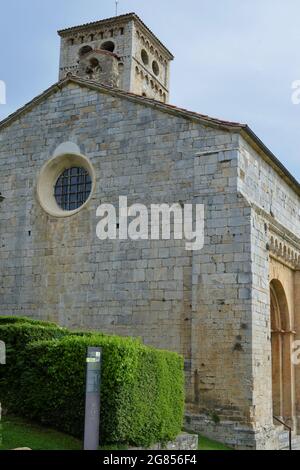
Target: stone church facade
<point>231,309</point>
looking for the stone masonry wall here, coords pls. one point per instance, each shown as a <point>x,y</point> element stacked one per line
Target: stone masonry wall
<point>272,202</point>
<point>211,306</point>
<point>57,269</point>
<point>222,324</point>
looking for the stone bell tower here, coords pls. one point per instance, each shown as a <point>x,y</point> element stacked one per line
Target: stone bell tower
<point>120,52</point>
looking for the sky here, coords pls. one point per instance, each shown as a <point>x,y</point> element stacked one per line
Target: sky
<point>234,59</point>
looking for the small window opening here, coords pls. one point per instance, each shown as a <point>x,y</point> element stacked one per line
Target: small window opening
<point>94,63</point>
<point>145,57</point>
<point>155,68</point>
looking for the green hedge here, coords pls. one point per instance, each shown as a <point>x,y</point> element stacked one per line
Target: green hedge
<point>8,320</point>
<point>142,393</point>
<point>16,337</point>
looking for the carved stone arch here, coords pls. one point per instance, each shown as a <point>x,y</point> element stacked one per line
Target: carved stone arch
<point>282,375</point>
<point>280,303</point>
<point>275,310</point>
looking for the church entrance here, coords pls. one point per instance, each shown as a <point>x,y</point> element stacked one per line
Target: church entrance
<point>282,369</point>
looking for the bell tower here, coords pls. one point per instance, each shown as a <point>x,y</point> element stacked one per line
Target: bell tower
<point>120,52</point>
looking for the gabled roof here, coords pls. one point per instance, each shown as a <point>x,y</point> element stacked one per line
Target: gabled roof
<point>229,126</point>
<point>127,17</point>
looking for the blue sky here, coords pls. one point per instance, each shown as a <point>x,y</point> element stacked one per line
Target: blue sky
<point>234,59</point>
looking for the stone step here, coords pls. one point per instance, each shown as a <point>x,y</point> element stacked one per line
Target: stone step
<point>284,442</point>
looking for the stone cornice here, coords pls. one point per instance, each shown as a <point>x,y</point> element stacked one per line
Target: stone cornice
<point>283,245</point>
<point>277,228</point>
<point>281,250</point>
<point>115,20</point>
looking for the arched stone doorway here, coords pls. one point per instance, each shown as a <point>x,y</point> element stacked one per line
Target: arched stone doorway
<point>282,369</point>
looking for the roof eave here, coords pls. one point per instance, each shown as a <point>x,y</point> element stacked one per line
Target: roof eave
<point>127,16</point>
<point>250,136</point>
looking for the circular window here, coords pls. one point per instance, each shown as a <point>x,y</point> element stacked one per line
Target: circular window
<point>155,68</point>
<point>65,185</point>
<point>73,188</point>
<point>145,57</point>
<point>108,46</point>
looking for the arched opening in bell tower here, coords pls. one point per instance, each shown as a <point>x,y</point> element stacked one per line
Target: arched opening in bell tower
<point>85,50</point>
<point>108,46</point>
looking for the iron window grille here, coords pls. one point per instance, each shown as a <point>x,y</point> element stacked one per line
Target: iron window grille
<point>73,188</point>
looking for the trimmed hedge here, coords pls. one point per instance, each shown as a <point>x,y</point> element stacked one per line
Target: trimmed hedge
<point>17,336</point>
<point>7,320</point>
<point>142,392</point>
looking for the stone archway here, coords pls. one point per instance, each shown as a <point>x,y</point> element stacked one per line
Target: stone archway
<point>282,373</point>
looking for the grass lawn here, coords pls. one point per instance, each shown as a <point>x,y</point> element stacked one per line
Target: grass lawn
<point>19,433</point>
<point>207,444</point>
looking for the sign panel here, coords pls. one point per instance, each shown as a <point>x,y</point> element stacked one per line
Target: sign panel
<point>92,404</point>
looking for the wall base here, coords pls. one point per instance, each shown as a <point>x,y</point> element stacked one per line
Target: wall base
<point>184,441</point>
<point>234,434</point>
